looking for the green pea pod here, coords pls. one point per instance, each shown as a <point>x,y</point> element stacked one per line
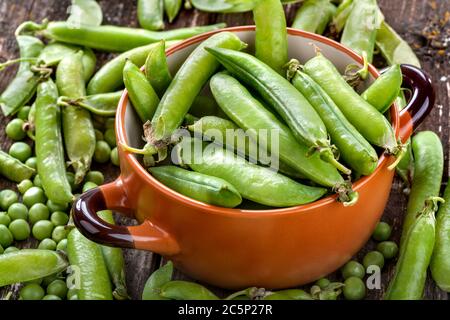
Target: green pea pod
<point>172,7</point>
<point>85,12</point>
<point>102,104</point>
<point>360,30</point>
<point>49,145</point>
<point>150,14</point>
<point>289,294</point>
<point>224,6</point>
<point>393,48</point>
<point>89,61</point>
<point>415,254</point>
<point>385,90</point>
<point>30,264</point>
<point>117,39</point>
<point>23,87</point>
<point>187,83</point>
<point>13,169</point>
<point>341,15</point>
<point>440,261</point>
<point>143,98</point>
<point>109,78</point>
<point>78,129</point>
<point>152,288</point>
<point>314,15</point>
<point>204,106</point>
<point>279,93</point>
<point>373,126</point>
<point>271,44</point>
<point>183,290</point>
<point>114,262</point>
<point>405,168</point>
<point>253,182</point>
<point>88,265</point>
<point>428,170</point>
<point>157,69</point>
<point>198,186</point>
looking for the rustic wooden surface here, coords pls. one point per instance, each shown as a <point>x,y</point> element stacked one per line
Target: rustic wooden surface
<point>407,17</point>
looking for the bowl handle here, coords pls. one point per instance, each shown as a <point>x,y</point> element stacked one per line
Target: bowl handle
<point>421,102</point>
<point>146,236</point>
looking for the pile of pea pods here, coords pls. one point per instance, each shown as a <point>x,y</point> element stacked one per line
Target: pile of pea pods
<point>67,111</point>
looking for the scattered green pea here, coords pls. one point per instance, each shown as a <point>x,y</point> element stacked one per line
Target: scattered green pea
<point>20,229</point>
<point>37,181</point>
<point>57,288</point>
<point>20,151</point>
<point>95,177</point>
<point>59,233</point>
<point>62,245</point>
<point>32,163</point>
<point>32,291</point>
<point>14,129</point>
<point>382,231</point>
<point>53,207</point>
<point>38,212</point>
<point>388,249</point>
<point>7,198</point>
<point>102,152</point>
<point>110,137</point>
<point>354,289</point>
<point>24,185</point>
<point>6,237</point>
<point>47,244</point>
<point>353,269</point>
<point>49,279</point>
<point>88,186</point>
<point>18,211</point>
<point>373,258</point>
<point>23,113</point>
<point>98,135</point>
<point>115,157</point>
<point>42,229</point>
<point>34,195</point>
<point>59,218</point>
<point>323,283</point>
<point>11,249</point>
<point>51,297</point>
<point>4,219</point>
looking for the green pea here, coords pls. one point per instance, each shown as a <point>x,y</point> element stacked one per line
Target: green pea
<point>38,212</point>
<point>18,211</point>
<point>102,151</point>
<point>115,157</point>
<point>11,249</point>
<point>20,229</point>
<point>24,185</point>
<point>95,177</point>
<point>32,163</point>
<point>354,289</point>
<point>59,233</point>
<point>388,249</point>
<point>32,291</point>
<point>6,237</point>
<point>37,181</point>
<point>42,229</point>
<point>62,245</point>
<point>71,179</point>
<point>34,195</point>
<point>353,269</point>
<point>4,219</point>
<point>88,186</point>
<point>110,123</point>
<point>49,279</point>
<point>47,244</point>
<point>59,218</point>
<point>14,129</point>
<point>20,151</point>
<point>51,297</point>
<point>98,135</point>
<point>7,198</point>
<point>382,232</point>
<point>53,207</point>
<point>23,113</point>
<point>57,288</point>
<point>373,258</point>
<point>110,137</point>
<point>323,283</point>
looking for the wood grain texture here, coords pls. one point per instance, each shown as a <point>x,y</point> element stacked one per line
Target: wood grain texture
<point>408,17</point>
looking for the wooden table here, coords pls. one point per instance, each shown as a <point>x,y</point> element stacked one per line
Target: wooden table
<point>407,17</point>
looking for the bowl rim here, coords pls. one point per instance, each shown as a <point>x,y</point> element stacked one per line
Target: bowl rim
<point>174,195</point>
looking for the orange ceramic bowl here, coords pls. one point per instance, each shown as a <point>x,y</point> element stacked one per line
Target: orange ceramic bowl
<point>235,248</point>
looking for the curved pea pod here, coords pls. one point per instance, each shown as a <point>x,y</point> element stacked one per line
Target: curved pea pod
<point>249,114</point>
<point>109,78</point>
<point>282,96</point>
<point>115,262</point>
<point>187,83</point>
<point>253,182</point>
<point>30,264</point>
<point>440,261</point>
<point>86,12</point>
<point>49,145</point>
<point>23,87</point>
<point>102,104</point>
<point>353,148</point>
<point>271,44</point>
<point>415,255</point>
<point>157,69</point>
<point>360,30</point>
<point>289,294</point>
<point>172,7</point>
<point>86,261</point>
<point>341,15</point>
<point>183,290</point>
<point>13,169</point>
<point>393,48</point>
<point>385,90</point>
<point>372,125</point>
<point>314,15</point>
<point>160,277</point>
<point>143,98</point>
<point>198,186</point>
<point>428,170</point>
<point>150,14</point>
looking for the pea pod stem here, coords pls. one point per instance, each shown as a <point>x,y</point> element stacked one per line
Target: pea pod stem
<point>14,61</point>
